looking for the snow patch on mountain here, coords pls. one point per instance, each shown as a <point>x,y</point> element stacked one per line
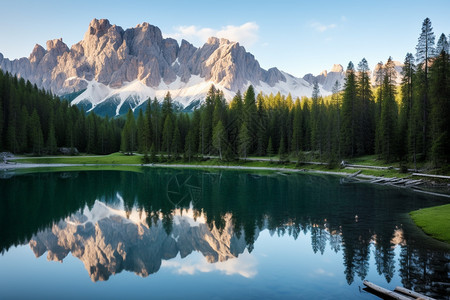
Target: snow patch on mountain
<point>182,92</point>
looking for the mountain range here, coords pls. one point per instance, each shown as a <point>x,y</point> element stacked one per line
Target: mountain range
<point>111,69</point>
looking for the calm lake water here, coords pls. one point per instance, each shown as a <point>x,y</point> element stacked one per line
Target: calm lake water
<point>192,234</point>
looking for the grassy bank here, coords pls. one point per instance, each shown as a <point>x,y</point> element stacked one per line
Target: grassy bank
<point>434,221</point>
<point>111,159</point>
<point>119,158</point>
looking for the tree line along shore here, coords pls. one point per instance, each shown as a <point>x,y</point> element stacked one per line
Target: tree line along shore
<point>406,124</point>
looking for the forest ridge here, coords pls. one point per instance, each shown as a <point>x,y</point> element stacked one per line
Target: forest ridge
<point>358,119</point>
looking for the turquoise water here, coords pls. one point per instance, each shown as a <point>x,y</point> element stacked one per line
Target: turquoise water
<point>191,234</point>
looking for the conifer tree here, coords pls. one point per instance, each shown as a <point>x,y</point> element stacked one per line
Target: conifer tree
<point>141,132</point>
<point>250,116</point>
<point>148,125</point>
<point>37,138</point>
<point>176,141</point>
<point>219,138</point>
<point>440,112</point>
<point>270,148</point>
<point>103,136</point>
<point>425,50</point>
<point>364,114</point>
<point>306,125</point>
<point>388,122</point>
<point>349,121</point>
<point>167,136</point>
<point>22,130</point>
<point>156,122</point>
<point>336,97</point>
<point>220,106</point>
<point>153,154</point>
<point>261,128</point>
<point>51,138</point>
<point>91,128</point>
<point>167,106</point>
<point>442,45</point>
<point>236,119</point>
<point>379,77</point>
<point>315,119</point>
<point>13,113</point>
<point>190,146</point>
<point>129,134</point>
<point>1,117</point>
<point>244,141</point>
<point>195,126</point>
<point>407,134</point>
<point>282,149</point>
<point>297,127</point>
<point>205,134</point>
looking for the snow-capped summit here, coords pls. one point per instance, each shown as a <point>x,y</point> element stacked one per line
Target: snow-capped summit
<point>112,70</point>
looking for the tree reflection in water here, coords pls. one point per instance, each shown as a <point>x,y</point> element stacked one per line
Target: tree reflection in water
<point>357,219</point>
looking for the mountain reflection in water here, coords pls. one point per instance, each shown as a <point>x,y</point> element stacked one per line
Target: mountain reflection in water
<point>110,240</point>
<point>114,221</point>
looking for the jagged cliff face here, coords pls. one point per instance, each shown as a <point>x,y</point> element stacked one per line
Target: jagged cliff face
<point>118,67</point>
<point>108,241</point>
<point>328,79</point>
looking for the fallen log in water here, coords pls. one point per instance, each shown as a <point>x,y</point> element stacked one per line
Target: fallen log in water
<point>384,291</point>
<point>376,180</point>
<point>354,174</point>
<point>412,293</point>
<point>431,175</point>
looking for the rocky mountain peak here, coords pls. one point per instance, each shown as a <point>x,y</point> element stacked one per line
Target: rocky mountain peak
<point>129,66</point>
<point>37,54</point>
<point>337,68</point>
<point>327,79</point>
<point>213,40</point>
<point>58,46</point>
<point>99,27</point>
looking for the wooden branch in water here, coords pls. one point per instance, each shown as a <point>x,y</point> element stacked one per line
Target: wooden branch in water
<point>384,291</point>
<point>431,175</point>
<point>412,293</point>
<point>354,174</point>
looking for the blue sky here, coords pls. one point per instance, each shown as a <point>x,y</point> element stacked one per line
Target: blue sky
<point>298,37</point>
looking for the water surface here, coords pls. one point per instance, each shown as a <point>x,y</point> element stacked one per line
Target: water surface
<point>165,233</point>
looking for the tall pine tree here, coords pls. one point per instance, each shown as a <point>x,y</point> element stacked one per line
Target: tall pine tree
<point>364,111</point>
<point>128,144</point>
<point>389,110</point>
<point>442,45</point>
<point>407,132</point>
<point>440,112</point>
<point>425,50</point>
<point>349,118</point>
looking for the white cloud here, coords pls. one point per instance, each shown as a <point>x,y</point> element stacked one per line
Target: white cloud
<point>322,27</point>
<point>343,18</point>
<point>321,273</point>
<point>246,34</point>
<point>244,265</point>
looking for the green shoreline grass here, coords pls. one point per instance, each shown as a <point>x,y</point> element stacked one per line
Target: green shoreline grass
<point>434,221</point>
<point>119,159</point>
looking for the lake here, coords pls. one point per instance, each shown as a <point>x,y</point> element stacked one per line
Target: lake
<point>193,234</point>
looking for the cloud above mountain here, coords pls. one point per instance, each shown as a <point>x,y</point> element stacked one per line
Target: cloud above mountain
<point>246,34</point>
<point>322,27</point>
